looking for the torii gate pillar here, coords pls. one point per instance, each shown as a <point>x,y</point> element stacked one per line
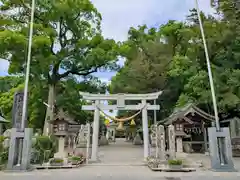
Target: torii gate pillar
<point>94,156</point>
<point>145,130</point>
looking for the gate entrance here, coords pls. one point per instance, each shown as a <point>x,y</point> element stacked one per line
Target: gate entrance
<point>97,106</point>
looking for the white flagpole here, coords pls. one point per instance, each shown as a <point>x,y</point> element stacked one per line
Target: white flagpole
<point>25,97</point>
<point>209,69</point>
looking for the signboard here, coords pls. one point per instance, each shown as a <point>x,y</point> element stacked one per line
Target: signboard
<point>17,110</point>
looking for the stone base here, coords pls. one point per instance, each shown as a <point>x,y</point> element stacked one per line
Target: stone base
<point>26,142</point>
<point>213,136</point>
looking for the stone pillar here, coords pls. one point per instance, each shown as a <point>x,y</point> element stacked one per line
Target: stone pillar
<point>94,156</point>
<point>179,144</point>
<point>61,151</point>
<point>145,130</point>
<point>171,138</point>
<point>161,144</point>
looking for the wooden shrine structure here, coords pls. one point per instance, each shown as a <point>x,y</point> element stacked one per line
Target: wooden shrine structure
<point>191,125</point>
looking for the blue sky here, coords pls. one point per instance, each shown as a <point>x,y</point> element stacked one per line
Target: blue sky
<point>120,15</point>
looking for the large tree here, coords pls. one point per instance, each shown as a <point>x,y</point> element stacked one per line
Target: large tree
<point>149,54</point>
<point>223,53</point>
<point>186,77</point>
<point>67,41</point>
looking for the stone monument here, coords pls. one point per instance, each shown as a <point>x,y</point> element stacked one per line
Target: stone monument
<point>160,135</point>
<point>171,142</point>
<point>82,139</point>
<point>21,139</point>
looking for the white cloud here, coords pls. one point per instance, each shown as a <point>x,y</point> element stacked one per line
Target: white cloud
<point>120,15</point>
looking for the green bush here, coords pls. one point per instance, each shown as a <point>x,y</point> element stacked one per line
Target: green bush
<point>2,138</point>
<point>56,160</point>
<point>175,162</point>
<point>45,147</point>
<point>76,158</point>
<point>3,151</point>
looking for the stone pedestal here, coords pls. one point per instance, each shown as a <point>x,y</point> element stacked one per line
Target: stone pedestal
<point>61,151</point>
<point>20,150</point>
<point>220,149</point>
<point>179,144</point>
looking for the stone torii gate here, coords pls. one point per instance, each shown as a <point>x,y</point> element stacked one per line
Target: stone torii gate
<point>120,98</point>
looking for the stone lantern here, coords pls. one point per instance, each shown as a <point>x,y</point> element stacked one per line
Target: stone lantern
<point>61,125</point>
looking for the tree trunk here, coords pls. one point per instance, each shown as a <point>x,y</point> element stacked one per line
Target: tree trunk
<point>47,129</point>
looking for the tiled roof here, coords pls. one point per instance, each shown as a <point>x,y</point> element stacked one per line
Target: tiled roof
<point>182,112</point>
<point>65,116</point>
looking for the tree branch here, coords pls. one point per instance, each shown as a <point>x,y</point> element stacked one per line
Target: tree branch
<point>62,33</point>
<point>52,45</point>
<point>79,73</point>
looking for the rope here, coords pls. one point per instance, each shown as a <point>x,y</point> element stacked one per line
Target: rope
<point>122,119</point>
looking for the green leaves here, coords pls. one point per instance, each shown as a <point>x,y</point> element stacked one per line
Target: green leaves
<point>184,78</point>
<point>66,36</point>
